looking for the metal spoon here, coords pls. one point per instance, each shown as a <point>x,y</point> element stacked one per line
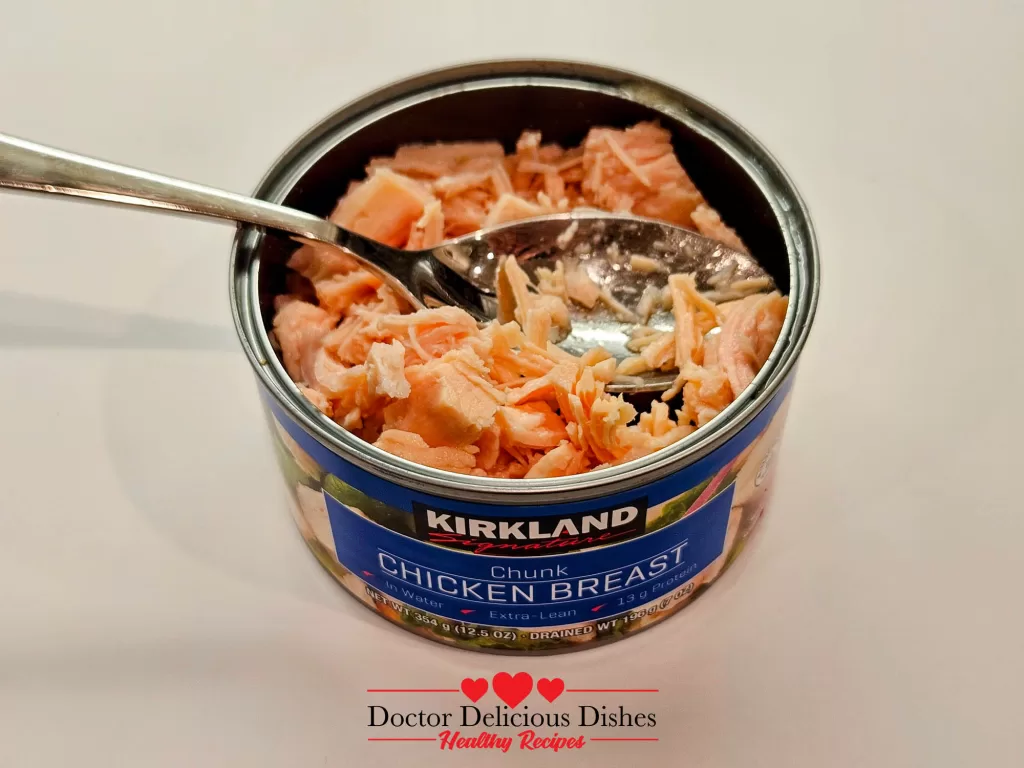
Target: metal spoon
<point>459,272</point>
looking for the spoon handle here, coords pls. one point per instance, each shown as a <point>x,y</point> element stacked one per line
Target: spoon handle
<point>37,168</point>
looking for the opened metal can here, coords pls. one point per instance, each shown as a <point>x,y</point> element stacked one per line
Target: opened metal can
<point>545,565</point>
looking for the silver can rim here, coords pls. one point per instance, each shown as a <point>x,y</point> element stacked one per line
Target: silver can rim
<point>774,183</point>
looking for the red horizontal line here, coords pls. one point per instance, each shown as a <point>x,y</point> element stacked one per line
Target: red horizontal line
<point>625,739</point>
<point>611,690</point>
<point>396,739</point>
<point>412,690</point>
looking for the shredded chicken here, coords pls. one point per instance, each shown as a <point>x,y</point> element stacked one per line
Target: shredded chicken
<point>580,288</point>
<point>502,400</point>
<point>517,298</point>
<point>710,224</point>
<point>645,264</point>
<point>650,302</point>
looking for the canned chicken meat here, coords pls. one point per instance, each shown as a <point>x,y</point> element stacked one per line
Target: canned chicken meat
<point>545,562</point>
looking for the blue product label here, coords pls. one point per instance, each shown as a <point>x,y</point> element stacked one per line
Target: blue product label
<point>540,591</point>
<point>529,576</point>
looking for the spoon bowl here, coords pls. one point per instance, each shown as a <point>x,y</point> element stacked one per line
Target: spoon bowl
<point>605,247</point>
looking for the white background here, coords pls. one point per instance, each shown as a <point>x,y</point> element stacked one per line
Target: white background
<point>157,606</point>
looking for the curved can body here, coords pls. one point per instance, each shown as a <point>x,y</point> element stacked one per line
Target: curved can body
<point>523,577</point>
<point>530,566</point>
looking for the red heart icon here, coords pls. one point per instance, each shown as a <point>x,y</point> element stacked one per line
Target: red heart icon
<point>550,689</point>
<point>474,689</point>
<point>512,690</point>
